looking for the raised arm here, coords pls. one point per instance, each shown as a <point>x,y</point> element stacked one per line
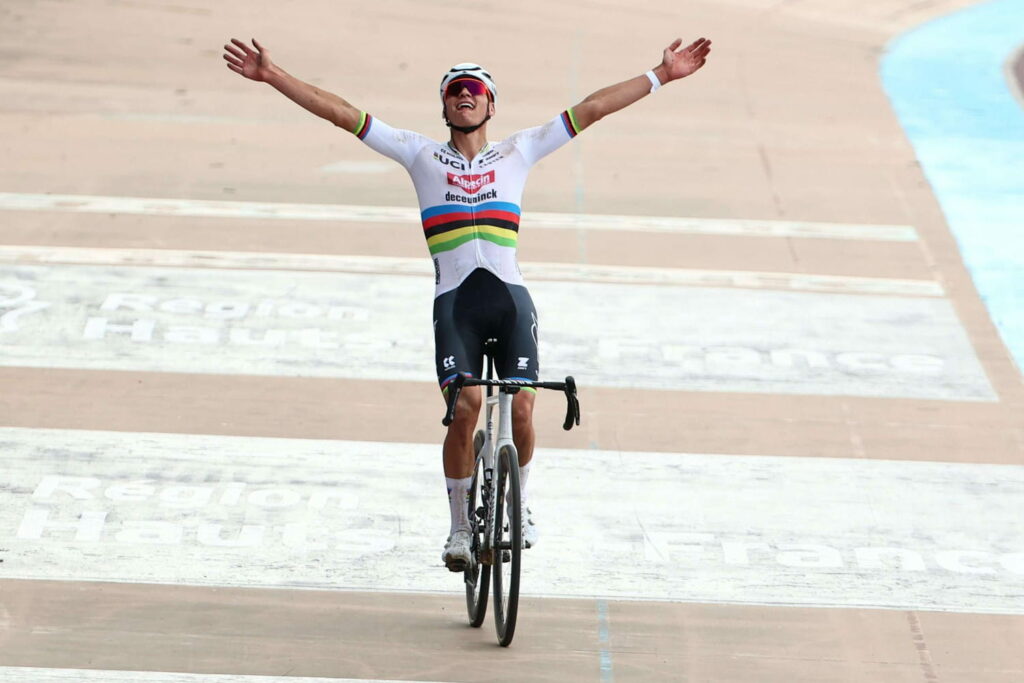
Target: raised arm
<point>677,62</point>
<point>254,63</point>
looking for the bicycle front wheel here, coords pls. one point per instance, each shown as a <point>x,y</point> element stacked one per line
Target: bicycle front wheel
<point>478,574</point>
<point>508,544</point>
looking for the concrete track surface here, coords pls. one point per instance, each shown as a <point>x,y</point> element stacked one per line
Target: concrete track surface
<point>802,449</point>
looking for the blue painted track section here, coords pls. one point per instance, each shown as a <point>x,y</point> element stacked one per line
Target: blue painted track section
<point>948,84</point>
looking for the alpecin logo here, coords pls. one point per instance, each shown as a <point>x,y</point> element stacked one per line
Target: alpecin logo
<point>471,183</point>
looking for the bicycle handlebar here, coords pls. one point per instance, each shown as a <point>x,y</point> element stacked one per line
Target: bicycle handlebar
<point>572,411</point>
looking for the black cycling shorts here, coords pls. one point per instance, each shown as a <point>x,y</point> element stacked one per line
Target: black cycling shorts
<point>481,308</point>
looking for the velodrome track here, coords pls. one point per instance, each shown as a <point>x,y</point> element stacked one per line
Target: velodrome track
<point>802,447</point>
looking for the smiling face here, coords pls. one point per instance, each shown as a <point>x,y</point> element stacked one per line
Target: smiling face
<point>462,107</point>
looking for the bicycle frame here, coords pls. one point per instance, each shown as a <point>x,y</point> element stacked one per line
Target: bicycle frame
<point>497,462</point>
<point>502,399</point>
<point>507,388</point>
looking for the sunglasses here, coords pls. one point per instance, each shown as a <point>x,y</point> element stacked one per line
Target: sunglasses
<point>471,85</point>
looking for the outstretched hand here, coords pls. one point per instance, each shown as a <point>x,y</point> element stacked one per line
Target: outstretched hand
<point>252,63</point>
<point>681,62</point>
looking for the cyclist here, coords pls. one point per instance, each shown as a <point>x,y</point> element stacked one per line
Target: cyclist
<point>469,192</point>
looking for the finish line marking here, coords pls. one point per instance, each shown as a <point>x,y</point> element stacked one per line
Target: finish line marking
<point>394,214</point>
<point>348,515</point>
<point>420,267</point>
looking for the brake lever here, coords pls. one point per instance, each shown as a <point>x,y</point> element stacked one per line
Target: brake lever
<point>572,408</point>
<point>454,389</point>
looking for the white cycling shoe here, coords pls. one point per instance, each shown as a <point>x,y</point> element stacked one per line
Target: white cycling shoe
<point>458,551</point>
<point>529,530</point>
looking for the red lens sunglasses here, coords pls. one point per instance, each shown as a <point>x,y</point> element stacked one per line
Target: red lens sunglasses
<point>473,86</point>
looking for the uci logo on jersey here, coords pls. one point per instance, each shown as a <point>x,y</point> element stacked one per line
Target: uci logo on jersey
<point>471,183</point>
<point>457,164</point>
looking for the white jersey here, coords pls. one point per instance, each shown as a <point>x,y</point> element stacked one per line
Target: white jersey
<point>469,209</point>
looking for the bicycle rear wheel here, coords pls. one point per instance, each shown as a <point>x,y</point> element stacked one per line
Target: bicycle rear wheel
<point>477,575</point>
<point>508,544</point>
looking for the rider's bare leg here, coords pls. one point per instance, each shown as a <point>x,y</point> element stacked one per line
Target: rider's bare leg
<point>523,435</point>
<point>458,443</point>
<point>459,458</point>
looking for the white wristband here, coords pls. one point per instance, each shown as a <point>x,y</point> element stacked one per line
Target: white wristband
<point>653,78</point>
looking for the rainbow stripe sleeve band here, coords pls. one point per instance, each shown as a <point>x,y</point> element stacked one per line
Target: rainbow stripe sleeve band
<point>365,121</point>
<point>569,121</point>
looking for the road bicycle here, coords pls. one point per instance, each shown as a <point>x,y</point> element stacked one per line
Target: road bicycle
<point>495,506</point>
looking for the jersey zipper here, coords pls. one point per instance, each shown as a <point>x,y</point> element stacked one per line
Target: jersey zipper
<point>472,216</point>
<point>472,207</point>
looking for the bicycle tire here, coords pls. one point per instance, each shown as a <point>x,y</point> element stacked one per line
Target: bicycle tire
<point>477,576</point>
<point>507,540</point>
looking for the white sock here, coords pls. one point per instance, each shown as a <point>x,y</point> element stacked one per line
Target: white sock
<point>458,502</point>
<point>524,474</point>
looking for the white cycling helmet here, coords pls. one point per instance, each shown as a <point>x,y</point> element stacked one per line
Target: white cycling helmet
<point>470,70</point>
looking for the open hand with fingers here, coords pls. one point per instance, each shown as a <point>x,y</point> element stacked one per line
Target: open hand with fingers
<point>252,62</point>
<point>680,62</point>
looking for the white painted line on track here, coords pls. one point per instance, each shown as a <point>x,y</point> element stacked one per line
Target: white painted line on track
<point>26,674</point>
<point>393,214</point>
<point>558,272</point>
<point>367,516</point>
<point>378,326</point>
